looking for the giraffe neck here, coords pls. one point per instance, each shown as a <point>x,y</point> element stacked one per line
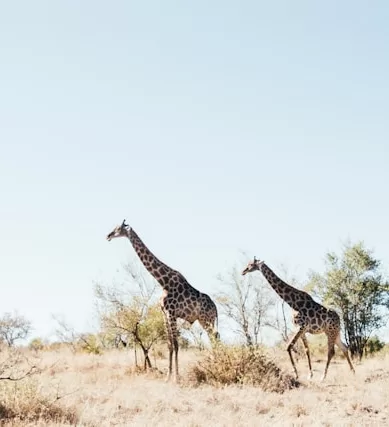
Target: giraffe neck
<point>292,296</point>
<point>161,272</point>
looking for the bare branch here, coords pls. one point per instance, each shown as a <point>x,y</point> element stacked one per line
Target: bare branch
<point>33,370</point>
<point>14,327</point>
<point>247,302</point>
<point>59,397</point>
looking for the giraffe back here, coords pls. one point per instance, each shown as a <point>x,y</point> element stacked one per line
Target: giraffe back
<point>315,318</point>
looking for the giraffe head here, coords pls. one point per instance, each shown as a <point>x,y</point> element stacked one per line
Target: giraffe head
<point>119,231</point>
<point>252,266</point>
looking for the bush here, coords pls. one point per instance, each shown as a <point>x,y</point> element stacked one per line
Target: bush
<point>374,345</point>
<point>226,365</point>
<point>89,343</point>
<point>36,344</point>
<point>22,402</point>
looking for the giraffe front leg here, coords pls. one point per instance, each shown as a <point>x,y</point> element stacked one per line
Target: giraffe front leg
<point>173,325</point>
<point>290,347</point>
<point>170,344</point>
<point>330,354</point>
<point>307,352</point>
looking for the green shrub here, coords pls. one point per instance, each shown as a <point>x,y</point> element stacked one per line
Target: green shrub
<point>89,343</point>
<point>374,345</point>
<point>36,344</point>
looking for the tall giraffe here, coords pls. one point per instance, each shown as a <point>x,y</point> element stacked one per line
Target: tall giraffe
<point>179,299</point>
<point>309,316</point>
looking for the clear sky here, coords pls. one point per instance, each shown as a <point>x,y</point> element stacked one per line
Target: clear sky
<point>212,127</point>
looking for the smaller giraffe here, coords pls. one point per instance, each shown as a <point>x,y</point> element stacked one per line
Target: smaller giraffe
<point>179,298</point>
<point>309,316</point>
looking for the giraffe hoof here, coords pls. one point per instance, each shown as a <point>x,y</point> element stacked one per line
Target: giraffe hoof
<point>309,377</point>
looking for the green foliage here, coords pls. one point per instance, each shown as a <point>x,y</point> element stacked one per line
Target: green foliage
<point>374,345</point>
<point>353,285</point>
<point>135,315</point>
<point>89,343</point>
<point>224,365</point>
<point>141,322</point>
<point>36,344</point>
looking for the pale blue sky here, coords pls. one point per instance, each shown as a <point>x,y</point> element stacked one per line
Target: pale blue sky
<point>212,127</point>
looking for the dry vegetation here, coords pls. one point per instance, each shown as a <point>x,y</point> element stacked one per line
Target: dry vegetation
<point>103,390</point>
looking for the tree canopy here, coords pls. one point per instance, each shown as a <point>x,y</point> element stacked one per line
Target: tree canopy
<point>354,285</point>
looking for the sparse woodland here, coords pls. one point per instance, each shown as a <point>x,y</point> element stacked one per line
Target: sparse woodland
<point>115,375</point>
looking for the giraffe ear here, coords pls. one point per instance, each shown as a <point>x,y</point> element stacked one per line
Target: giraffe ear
<point>255,259</point>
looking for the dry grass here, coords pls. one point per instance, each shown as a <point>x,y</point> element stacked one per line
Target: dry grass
<point>23,403</point>
<point>92,390</point>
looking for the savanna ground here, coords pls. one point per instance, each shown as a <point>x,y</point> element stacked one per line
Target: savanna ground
<point>105,390</point>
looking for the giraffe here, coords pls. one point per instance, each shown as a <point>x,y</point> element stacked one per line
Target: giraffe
<point>179,299</point>
<point>309,316</point>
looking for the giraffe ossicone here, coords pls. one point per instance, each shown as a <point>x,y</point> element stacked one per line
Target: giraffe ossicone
<point>310,317</point>
<point>179,298</point>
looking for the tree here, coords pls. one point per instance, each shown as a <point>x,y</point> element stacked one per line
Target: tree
<point>14,327</point>
<point>190,335</point>
<point>353,285</point>
<point>86,342</point>
<point>246,301</point>
<point>134,314</point>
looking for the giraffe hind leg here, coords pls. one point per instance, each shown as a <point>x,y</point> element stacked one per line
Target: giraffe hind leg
<point>290,347</point>
<point>213,334</point>
<point>307,352</point>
